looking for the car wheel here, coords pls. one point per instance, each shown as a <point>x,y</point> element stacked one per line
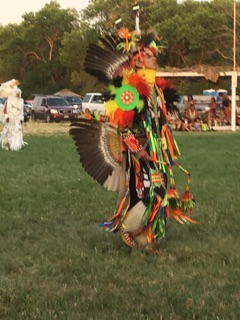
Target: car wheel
<point>33,117</point>
<point>48,118</point>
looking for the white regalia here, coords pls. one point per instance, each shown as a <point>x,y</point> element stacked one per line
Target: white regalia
<point>12,134</point>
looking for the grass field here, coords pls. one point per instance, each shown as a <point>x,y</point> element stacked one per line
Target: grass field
<point>57,264</point>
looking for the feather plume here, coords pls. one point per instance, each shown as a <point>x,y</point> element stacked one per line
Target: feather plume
<point>170,95</point>
<point>110,108</point>
<point>122,118</point>
<point>104,61</point>
<point>140,84</point>
<point>119,117</point>
<point>8,89</point>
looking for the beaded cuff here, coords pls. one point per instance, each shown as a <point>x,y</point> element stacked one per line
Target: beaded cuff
<point>132,143</point>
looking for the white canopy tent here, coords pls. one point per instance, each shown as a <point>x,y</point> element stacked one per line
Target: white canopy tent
<point>232,74</point>
<point>214,93</point>
<point>210,92</point>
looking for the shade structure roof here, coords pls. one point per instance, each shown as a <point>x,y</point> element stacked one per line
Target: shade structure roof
<point>66,92</point>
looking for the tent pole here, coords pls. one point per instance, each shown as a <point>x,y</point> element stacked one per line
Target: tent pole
<point>234,74</point>
<point>233,103</point>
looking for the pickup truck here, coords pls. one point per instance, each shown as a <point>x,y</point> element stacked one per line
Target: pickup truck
<point>94,102</point>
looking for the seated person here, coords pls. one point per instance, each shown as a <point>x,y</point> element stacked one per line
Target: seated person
<point>228,113</point>
<point>224,98</point>
<point>198,124</point>
<point>188,103</point>
<point>221,117</point>
<point>186,126</point>
<point>192,115</point>
<point>174,121</point>
<point>238,113</point>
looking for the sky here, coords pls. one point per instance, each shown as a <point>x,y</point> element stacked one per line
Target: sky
<point>12,10</point>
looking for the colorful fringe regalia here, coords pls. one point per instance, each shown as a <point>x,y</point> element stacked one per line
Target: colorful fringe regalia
<point>136,120</point>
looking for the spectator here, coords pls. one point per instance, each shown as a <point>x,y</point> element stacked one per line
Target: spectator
<point>222,117</point>
<point>211,113</point>
<point>225,99</point>
<point>174,120</point>
<point>228,114</point>
<point>87,114</point>
<point>188,103</point>
<point>192,115</point>
<point>186,126</point>
<point>238,113</point>
<point>198,124</point>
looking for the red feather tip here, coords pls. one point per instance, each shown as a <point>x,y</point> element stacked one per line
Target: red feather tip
<point>163,83</point>
<point>123,119</point>
<point>140,84</point>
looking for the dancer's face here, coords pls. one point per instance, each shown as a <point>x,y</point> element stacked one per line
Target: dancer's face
<point>149,60</point>
<point>145,59</point>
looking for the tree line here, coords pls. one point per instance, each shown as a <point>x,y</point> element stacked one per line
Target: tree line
<point>46,50</point>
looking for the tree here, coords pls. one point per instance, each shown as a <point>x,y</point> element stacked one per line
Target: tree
<point>11,65</point>
<point>35,46</point>
<point>103,14</point>
<point>47,50</point>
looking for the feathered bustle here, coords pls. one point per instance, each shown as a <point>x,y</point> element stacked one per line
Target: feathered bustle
<point>98,146</point>
<point>105,62</point>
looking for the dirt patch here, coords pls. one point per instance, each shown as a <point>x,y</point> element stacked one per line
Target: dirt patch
<point>42,128</point>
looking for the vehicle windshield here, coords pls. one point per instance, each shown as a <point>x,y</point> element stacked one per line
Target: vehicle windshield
<point>55,102</point>
<point>87,98</point>
<point>74,100</point>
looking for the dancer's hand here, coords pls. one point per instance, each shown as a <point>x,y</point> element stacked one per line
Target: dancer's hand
<point>143,155</point>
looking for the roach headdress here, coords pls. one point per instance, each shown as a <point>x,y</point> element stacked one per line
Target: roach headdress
<point>113,54</point>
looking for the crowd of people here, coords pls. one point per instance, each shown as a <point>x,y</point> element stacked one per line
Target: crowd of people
<point>217,113</point>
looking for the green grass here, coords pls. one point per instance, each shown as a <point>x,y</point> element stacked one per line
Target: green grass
<point>57,264</point>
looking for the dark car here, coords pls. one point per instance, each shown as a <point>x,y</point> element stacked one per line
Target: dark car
<point>52,108</point>
<point>75,102</point>
<point>27,110</point>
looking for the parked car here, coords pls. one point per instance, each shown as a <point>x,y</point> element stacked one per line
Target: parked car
<point>27,109</point>
<point>94,101</point>
<point>52,108</point>
<point>75,102</point>
<point>29,102</point>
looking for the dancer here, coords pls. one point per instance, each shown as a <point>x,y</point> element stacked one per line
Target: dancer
<point>134,151</point>
<point>13,112</point>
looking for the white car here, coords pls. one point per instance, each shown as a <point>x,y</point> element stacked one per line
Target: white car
<point>94,101</point>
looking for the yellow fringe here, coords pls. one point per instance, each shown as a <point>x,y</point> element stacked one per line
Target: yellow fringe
<point>110,107</point>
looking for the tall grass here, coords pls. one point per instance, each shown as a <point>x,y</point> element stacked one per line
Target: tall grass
<point>57,264</point>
